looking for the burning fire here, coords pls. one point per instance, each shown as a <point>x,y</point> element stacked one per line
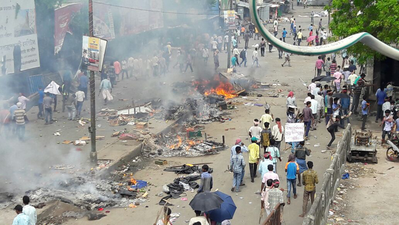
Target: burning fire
<point>175,146</point>
<point>132,180</point>
<point>218,86</point>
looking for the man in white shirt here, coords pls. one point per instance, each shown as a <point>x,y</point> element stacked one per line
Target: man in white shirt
<point>23,100</point>
<point>278,132</point>
<point>255,57</point>
<point>311,86</point>
<point>79,97</point>
<point>29,210</point>
<point>255,130</point>
<point>314,107</point>
<point>387,105</point>
<point>351,80</point>
<point>320,105</point>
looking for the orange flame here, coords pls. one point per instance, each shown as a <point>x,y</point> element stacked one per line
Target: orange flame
<point>133,181</point>
<point>178,144</point>
<point>223,89</point>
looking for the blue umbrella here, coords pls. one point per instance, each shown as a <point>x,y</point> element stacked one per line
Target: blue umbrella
<point>226,211</point>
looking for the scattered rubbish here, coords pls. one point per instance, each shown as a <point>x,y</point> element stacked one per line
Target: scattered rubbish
<point>127,137</point>
<point>323,151</point>
<point>139,184</point>
<point>100,209</point>
<point>184,199</point>
<point>317,145</point>
<point>161,162</point>
<point>57,134</point>
<point>66,142</point>
<point>259,105</point>
<point>115,134</point>
<point>345,176</point>
<point>390,168</point>
<point>79,143</point>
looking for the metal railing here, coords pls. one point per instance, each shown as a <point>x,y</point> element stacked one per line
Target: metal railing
<point>275,215</point>
<point>319,210</point>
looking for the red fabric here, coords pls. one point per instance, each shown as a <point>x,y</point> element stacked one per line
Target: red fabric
<point>291,94</point>
<point>279,126</point>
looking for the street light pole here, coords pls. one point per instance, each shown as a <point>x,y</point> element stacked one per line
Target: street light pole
<point>229,45</point>
<point>92,128</point>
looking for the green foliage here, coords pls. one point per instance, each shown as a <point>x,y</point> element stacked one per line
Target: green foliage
<point>380,18</point>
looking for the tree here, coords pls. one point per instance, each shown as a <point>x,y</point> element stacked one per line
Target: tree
<point>380,18</point>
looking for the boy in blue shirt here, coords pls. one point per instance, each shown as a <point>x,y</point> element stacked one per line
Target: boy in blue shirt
<point>292,170</point>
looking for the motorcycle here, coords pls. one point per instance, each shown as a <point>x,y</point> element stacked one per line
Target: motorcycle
<point>393,149</point>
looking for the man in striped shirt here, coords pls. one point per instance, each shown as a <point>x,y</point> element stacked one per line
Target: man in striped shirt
<point>19,117</point>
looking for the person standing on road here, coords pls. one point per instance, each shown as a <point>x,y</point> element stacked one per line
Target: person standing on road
<point>20,219</point>
<point>253,157</point>
<point>105,90</point>
<point>79,97</point>
<point>280,51</point>
<point>205,55</point>
<point>262,46</point>
<point>265,136</point>
<point>243,56</point>
<point>314,106</point>
<point>328,100</point>
<point>275,197</point>
<point>267,117</point>
<point>278,133</point>
<point>307,118</point>
<point>237,165</point>
<point>292,169</point>
<point>246,38</point>
<point>345,103</point>
<point>365,110</point>
<point>29,210</point>
<point>300,154</point>
<point>287,59</point>
<point>284,34</point>
<point>216,59</point>
<point>206,180</point>
<point>327,65</point>
<point>40,115</point>
<point>380,95</point>
<point>84,81</point>
<point>48,111</point>
<point>320,105</point>
<point>309,180</point>
<point>244,148</point>
<point>264,199</point>
<point>19,117</point>
<point>255,130</point>
<point>71,106</point>
<point>299,36</point>
<point>255,58</point>
<point>264,164</point>
<point>319,66</point>
<point>274,153</point>
<point>268,175</point>
<point>332,127</point>
<point>387,124</point>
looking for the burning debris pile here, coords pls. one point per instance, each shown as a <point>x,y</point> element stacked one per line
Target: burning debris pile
<point>181,141</point>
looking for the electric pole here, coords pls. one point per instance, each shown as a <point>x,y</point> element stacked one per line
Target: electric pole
<point>229,45</point>
<point>92,128</point>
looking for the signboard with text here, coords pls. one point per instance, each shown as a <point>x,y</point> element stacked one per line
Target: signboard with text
<point>294,132</point>
<point>18,38</point>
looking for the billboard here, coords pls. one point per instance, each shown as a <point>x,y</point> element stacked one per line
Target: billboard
<point>63,17</point>
<point>18,37</point>
<point>93,53</point>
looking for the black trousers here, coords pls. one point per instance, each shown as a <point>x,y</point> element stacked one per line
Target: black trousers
<point>332,133</point>
<point>252,170</point>
<point>262,51</point>
<point>380,113</point>
<point>364,120</point>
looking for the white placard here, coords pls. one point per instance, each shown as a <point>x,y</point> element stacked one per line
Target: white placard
<point>294,132</point>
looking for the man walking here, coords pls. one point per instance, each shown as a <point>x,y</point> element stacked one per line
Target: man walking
<point>307,118</point>
<point>365,110</point>
<point>327,65</point>
<point>380,95</point>
<point>287,59</point>
<point>40,115</point>
<point>300,157</point>
<point>243,56</point>
<point>292,169</point>
<point>106,89</point>
<point>20,219</point>
<point>319,65</point>
<point>29,210</point>
<point>237,165</point>
<point>71,107</point>
<point>253,157</point>
<point>255,58</point>
<point>314,105</point>
<point>299,36</point>
<point>284,34</point>
<point>48,111</point>
<point>19,117</point>
<point>262,47</point>
<point>309,179</point>
<point>255,131</point>
<point>79,97</point>
<point>278,133</point>
<point>274,154</point>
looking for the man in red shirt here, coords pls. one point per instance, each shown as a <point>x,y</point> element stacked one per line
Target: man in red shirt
<point>118,68</point>
<point>319,65</point>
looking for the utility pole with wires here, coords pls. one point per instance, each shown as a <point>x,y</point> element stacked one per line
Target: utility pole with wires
<point>92,128</point>
<point>230,34</point>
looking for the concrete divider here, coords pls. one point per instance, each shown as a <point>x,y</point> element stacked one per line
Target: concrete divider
<point>318,212</point>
